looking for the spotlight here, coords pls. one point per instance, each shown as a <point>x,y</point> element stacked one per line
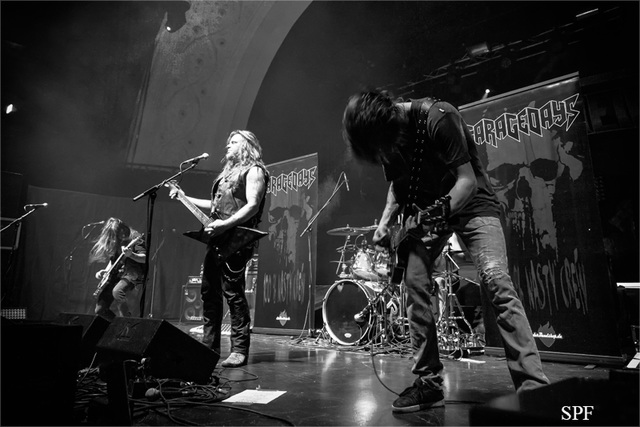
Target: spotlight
<point>10,109</point>
<point>478,49</point>
<point>176,11</point>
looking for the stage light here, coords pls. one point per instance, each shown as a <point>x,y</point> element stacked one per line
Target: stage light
<point>478,49</point>
<point>176,18</point>
<point>10,109</point>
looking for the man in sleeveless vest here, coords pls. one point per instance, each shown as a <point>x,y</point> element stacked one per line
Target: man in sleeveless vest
<point>237,199</point>
<point>430,159</point>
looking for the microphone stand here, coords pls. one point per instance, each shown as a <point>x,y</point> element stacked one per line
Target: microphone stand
<point>151,192</point>
<point>17,220</point>
<point>307,229</point>
<point>67,261</point>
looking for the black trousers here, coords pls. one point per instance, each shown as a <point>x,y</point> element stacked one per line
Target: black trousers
<point>226,280</point>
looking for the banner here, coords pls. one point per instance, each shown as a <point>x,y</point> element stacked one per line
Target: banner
<point>287,260</point>
<point>534,145</point>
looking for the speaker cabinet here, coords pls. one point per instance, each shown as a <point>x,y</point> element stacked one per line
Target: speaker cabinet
<point>171,353</point>
<point>39,370</point>
<point>93,327</point>
<point>191,306</point>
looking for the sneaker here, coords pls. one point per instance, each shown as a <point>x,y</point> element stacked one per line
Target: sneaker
<point>235,360</point>
<point>417,397</point>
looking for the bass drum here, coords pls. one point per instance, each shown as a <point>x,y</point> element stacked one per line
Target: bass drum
<point>343,300</point>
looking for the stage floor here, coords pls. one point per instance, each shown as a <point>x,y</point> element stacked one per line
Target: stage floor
<point>325,385</point>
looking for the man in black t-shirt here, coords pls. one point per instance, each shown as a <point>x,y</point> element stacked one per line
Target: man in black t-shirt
<point>429,157</point>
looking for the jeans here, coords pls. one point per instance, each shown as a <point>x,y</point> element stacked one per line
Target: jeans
<point>485,241</point>
<point>226,280</point>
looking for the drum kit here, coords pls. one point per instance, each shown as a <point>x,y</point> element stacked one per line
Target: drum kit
<point>364,307</point>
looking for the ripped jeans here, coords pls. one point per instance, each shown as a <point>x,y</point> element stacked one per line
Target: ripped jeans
<point>485,241</point>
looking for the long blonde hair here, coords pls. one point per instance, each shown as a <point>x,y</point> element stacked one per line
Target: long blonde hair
<point>250,155</point>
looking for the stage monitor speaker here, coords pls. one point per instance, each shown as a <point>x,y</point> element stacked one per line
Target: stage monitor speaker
<point>574,401</point>
<point>93,327</point>
<point>39,371</point>
<point>171,353</point>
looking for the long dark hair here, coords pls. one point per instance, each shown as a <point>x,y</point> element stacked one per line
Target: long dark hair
<point>372,120</point>
<point>113,235</point>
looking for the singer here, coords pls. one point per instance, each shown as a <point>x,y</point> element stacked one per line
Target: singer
<point>126,276</point>
<point>429,156</point>
<point>237,198</point>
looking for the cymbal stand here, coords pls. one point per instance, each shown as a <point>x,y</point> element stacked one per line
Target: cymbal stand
<point>376,307</point>
<point>451,337</point>
<point>342,263</point>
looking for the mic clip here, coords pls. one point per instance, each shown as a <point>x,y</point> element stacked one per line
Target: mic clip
<point>361,317</point>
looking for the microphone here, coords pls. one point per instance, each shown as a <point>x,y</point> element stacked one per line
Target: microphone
<point>35,206</point>
<point>155,394</point>
<point>361,317</point>
<point>197,158</point>
<point>91,224</point>
<point>346,181</point>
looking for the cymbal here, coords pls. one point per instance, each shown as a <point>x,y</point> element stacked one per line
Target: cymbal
<point>347,262</point>
<point>349,247</point>
<point>347,231</point>
<point>368,227</point>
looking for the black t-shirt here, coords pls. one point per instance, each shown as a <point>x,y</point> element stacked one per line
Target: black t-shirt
<point>447,145</point>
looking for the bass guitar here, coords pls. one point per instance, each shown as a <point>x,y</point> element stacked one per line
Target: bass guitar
<point>112,272</point>
<point>225,244</point>
<point>435,215</point>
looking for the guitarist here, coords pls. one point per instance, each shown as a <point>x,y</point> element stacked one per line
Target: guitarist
<point>237,199</point>
<point>113,240</point>
<point>430,158</point>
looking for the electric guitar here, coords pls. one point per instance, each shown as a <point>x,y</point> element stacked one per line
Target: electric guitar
<point>225,244</point>
<point>434,215</point>
<point>111,274</point>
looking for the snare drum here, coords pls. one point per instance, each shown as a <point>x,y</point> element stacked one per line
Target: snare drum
<point>362,266</point>
<point>343,300</point>
<point>381,265</point>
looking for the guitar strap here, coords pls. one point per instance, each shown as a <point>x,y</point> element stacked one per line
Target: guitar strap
<point>419,149</point>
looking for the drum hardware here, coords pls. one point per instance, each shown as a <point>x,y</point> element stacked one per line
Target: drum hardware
<point>451,337</point>
<point>380,320</point>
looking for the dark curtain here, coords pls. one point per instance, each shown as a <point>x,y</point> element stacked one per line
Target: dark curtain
<point>54,275</point>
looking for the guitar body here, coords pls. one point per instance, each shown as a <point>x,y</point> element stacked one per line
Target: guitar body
<point>435,215</point>
<point>229,242</point>
<point>106,280</point>
<point>225,244</point>
<point>112,274</point>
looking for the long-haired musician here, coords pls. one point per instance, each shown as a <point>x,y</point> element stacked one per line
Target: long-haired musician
<point>237,199</point>
<point>118,280</point>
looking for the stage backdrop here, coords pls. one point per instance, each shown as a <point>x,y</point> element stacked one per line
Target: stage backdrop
<point>287,260</point>
<point>534,145</point>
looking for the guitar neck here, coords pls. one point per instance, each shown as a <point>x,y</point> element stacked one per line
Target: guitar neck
<point>202,217</point>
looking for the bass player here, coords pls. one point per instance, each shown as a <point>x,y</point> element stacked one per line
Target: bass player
<point>237,199</point>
